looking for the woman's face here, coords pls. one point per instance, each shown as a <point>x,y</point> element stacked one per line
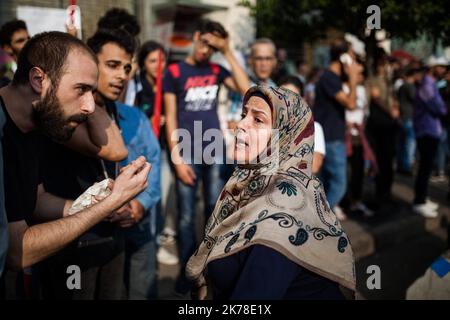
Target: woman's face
<point>253,131</point>
<point>151,63</point>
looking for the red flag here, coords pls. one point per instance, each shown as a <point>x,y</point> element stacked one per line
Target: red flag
<point>72,11</point>
<point>158,97</point>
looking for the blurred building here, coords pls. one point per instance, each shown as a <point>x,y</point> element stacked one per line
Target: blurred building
<point>172,22</point>
<point>169,21</point>
<point>91,11</point>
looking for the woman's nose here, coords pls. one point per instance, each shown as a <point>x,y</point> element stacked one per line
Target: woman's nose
<point>242,125</point>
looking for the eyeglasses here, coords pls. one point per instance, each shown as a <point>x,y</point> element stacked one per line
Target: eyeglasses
<point>261,59</point>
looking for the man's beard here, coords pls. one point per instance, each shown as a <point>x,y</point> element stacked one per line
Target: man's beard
<point>49,118</point>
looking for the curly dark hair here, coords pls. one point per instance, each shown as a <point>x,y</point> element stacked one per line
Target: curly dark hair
<point>209,26</point>
<point>8,29</point>
<point>117,18</point>
<point>121,37</point>
<point>293,80</point>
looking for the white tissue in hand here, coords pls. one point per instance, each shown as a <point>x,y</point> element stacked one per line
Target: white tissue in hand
<point>99,189</point>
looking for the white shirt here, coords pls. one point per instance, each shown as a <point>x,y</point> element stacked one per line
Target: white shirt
<point>357,115</point>
<point>319,139</point>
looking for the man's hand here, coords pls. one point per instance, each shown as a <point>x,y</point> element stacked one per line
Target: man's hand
<point>352,71</point>
<point>71,29</point>
<point>128,215</point>
<point>395,113</point>
<point>199,293</point>
<point>131,181</point>
<point>137,210</point>
<point>162,120</point>
<point>185,173</point>
<point>217,42</point>
<point>123,216</point>
<point>199,289</point>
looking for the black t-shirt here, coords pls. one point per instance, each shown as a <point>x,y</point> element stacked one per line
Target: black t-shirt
<point>66,173</point>
<point>21,155</point>
<point>197,90</point>
<point>327,110</point>
<point>406,96</point>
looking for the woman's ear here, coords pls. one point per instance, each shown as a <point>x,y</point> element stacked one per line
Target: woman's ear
<point>36,79</point>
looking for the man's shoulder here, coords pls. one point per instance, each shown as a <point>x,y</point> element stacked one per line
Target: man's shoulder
<point>216,68</point>
<point>174,69</point>
<point>405,87</point>
<point>330,75</point>
<point>126,111</point>
<point>2,119</point>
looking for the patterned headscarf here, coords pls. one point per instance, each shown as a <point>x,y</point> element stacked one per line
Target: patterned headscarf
<point>278,202</point>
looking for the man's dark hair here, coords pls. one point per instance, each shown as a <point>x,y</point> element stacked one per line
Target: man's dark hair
<point>147,48</point>
<point>338,47</point>
<point>410,71</point>
<point>8,29</point>
<point>295,81</point>
<point>48,51</point>
<point>314,73</point>
<point>120,37</point>
<point>117,18</point>
<point>380,57</point>
<point>209,26</point>
<point>299,62</point>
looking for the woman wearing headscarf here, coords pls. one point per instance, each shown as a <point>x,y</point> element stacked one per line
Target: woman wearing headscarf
<point>272,234</point>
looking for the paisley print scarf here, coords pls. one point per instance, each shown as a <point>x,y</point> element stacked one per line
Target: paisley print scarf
<point>278,202</point>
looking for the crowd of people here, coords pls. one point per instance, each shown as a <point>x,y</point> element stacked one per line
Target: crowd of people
<point>74,114</point>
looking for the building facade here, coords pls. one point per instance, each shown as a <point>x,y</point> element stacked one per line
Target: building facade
<point>170,22</point>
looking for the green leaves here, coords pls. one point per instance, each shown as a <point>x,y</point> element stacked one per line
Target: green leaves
<point>294,21</point>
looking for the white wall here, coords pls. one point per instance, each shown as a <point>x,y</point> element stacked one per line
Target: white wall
<point>236,20</point>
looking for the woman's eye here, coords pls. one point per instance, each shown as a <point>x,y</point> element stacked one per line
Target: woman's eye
<point>258,120</point>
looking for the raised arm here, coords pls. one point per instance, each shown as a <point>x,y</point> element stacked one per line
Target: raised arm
<point>349,100</point>
<point>183,171</point>
<point>99,137</point>
<point>238,80</point>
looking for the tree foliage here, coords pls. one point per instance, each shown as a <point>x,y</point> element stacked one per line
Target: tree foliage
<point>291,21</point>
